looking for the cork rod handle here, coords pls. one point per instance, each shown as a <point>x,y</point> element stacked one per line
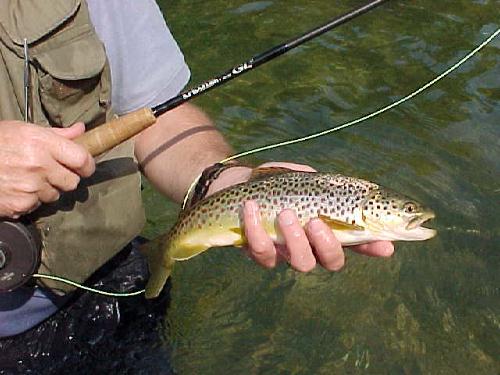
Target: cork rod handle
<point>116,131</point>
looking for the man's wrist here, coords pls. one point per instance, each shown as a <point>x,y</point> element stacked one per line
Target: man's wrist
<point>222,175</point>
<point>216,177</point>
<point>231,176</point>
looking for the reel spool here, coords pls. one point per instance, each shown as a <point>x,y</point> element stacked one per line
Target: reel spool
<point>19,254</point>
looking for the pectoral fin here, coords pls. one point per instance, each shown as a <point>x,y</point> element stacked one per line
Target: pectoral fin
<point>242,240</point>
<point>339,225</point>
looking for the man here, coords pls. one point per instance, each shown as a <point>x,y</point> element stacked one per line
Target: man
<point>93,211</point>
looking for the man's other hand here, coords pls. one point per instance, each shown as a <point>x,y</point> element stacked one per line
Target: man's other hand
<point>37,164</point>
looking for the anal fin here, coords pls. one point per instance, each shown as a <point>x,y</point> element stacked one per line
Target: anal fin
<point>186,251</point>
<point>160,265</point>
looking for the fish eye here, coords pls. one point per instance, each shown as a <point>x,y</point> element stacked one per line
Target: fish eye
<point>410,207</point>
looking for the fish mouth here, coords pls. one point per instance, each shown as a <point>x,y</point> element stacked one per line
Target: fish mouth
<point>415,226</point>
<point>418,220</point>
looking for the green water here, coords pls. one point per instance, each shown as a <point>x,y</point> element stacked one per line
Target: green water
<point>434,307</point>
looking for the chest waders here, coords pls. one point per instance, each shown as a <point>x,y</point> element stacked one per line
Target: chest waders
<point>69,81</point>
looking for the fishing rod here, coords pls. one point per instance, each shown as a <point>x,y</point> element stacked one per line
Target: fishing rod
<point>108,135</point>
<point>9,280</point>
<point>16,270</point>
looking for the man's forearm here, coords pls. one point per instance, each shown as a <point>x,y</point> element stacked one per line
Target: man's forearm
<point>175,150</point>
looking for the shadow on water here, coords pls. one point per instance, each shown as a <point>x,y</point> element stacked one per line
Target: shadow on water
<point>433,307</point>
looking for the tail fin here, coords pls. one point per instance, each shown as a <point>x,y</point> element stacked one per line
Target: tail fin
<point>160,265</point>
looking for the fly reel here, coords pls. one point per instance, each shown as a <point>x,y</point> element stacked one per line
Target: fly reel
<point>19,254</point>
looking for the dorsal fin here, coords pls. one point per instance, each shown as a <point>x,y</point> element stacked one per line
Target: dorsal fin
<point>263,172</point>
<point>338,224</point>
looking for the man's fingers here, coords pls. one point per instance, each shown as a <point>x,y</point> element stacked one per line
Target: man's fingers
<point>326,247</point>
<point>375,249</point>
<point>20,204</point>
<point>48,194</point>
<point>291,166</point>
<point>62,178</point>
<point>260,245</point>
<point>71,132</point>
<point>301,255</point>
<point>73,156</point>
<point>70,154</point>
<point>299,242</point>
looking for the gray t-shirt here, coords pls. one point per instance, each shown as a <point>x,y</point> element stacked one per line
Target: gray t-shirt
<point>147,68</point>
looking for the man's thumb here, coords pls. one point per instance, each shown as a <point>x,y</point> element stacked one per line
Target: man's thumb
<point>72,132</point>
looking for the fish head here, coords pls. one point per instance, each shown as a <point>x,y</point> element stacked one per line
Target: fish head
<point>396,217</point>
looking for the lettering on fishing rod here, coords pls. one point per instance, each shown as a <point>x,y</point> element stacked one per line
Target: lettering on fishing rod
<point>242,68</point>
<point>215,81</point>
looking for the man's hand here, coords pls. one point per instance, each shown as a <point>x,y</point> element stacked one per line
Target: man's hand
<point>305,247</point>
<point>37,163</point>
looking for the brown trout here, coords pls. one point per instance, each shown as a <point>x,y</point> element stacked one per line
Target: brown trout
<point>356,210</point>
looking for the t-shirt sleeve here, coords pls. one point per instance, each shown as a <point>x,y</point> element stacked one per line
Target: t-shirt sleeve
<point>147,65</point>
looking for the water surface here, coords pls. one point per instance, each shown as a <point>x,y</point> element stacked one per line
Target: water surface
<point>433,308</point>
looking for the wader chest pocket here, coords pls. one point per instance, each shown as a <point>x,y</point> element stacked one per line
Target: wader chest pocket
<point>70,84</point>
<point>70,81</point>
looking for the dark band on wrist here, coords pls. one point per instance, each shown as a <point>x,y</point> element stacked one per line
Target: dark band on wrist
<point>208,176</point>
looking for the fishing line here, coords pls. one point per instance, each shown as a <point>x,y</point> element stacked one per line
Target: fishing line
<point>224,78</point>
<point>290,142</point>
<point>358,120</point>
<point>84,287</point>
<point>263,58</point>
<point>373,114</point>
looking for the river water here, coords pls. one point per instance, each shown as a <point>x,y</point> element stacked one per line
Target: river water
<point>433,308</point>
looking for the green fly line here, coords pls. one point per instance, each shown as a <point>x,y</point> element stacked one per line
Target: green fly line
<point>358,120</point>
<point>84,287</point>
<point>298,140</point>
